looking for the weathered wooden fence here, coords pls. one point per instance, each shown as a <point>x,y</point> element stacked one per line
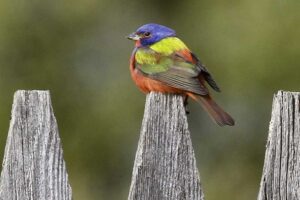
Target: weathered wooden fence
<point>33,165</point>
<point>281,174</point>
<point>165,166</point>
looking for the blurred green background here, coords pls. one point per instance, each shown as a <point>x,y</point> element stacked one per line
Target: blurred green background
<point>78,51</point>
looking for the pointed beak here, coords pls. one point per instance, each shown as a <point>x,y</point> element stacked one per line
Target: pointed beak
<point>133,36</point>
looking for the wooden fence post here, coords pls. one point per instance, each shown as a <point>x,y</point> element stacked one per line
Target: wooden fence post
<point>33,165</point>
<point>281,173</point>
<point>165,166</point>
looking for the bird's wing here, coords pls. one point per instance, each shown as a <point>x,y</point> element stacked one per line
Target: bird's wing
<point>171,70</point>
<point>207,76</point>
<point>188,56</point>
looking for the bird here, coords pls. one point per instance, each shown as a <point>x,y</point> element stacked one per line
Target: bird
<point>161,62</point>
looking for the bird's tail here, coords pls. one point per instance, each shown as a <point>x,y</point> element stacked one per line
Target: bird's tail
<point>214,110</point>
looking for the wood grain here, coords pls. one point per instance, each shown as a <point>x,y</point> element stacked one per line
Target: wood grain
<point>281,174</point>
<point>33,165</point>
<point>165,166</point>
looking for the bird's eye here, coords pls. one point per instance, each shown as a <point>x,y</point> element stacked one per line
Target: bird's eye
<point>147,34</point>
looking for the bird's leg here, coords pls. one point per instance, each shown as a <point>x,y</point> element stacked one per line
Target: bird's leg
<point>185,103</point>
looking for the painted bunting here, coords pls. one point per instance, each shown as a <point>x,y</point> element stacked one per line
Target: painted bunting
<point>161,62</point>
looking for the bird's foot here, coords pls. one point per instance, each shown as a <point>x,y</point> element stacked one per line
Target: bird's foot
<point>187,111</point>
<point>185,103</point>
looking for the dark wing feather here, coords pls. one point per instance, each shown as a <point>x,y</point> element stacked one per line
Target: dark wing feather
<point>184,81</point>
<point>176,75</point>
<point>207,76</point>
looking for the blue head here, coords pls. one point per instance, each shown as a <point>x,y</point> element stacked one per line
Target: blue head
<point>151,33</point>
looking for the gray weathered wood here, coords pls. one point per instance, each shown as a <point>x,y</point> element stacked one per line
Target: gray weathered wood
<point>165,166</point>
<point>33,165</point>
<point>281,173</point>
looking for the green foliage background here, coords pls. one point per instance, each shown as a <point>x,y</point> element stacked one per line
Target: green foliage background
<point>78,51</point>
